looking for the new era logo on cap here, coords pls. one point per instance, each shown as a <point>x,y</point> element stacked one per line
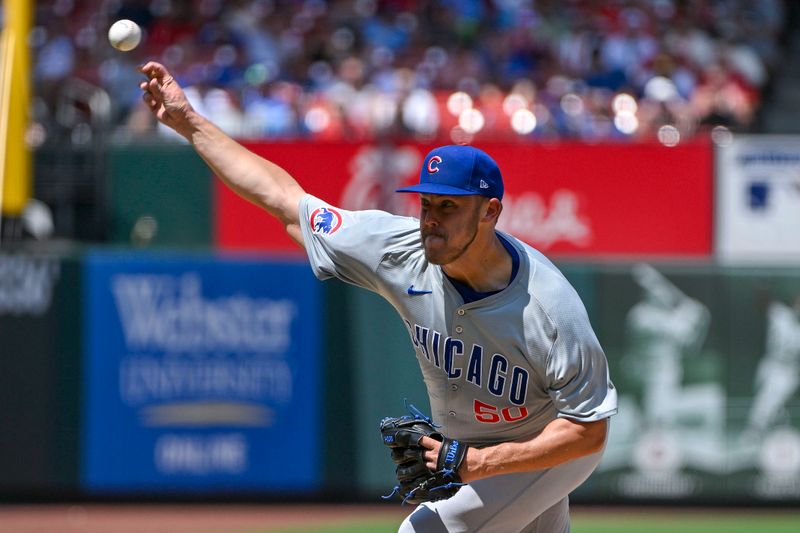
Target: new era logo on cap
<point>457,170</point>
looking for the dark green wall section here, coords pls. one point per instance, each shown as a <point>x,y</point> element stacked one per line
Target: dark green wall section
<point>339,425</point>
<point>169,183</point>
<point>39,358</point>
<point>386,374</point>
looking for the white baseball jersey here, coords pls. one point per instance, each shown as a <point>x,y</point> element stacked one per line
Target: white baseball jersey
<point>497,369</point>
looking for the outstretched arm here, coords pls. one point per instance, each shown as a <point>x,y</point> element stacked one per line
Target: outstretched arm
<point>560,441</point>
<point>252,177</point>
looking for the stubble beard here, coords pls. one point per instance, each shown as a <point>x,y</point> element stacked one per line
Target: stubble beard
<point>447,255</point>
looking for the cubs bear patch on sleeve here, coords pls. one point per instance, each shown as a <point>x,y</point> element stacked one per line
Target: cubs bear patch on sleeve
<point>335,240</point>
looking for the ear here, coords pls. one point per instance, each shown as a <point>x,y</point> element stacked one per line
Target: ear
<point>493,208</point>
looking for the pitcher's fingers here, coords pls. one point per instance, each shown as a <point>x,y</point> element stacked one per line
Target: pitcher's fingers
<point>152,70</point>
<point>149,86</point>
<point>154,86</point>
<point>430,458</point>
<point>150,100</point>
<point>429,443</point>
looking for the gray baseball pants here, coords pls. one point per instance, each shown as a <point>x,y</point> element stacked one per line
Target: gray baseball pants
<point>531,502</point>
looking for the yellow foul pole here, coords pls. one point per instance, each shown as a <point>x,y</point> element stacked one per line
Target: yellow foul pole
<point>15,156</point>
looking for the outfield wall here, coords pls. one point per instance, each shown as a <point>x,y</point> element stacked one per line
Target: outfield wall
<point>170,374</point>
<point>104,392</point>
<point>737,203</point>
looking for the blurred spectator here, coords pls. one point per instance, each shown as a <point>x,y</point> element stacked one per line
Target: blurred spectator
<point>368,69</point>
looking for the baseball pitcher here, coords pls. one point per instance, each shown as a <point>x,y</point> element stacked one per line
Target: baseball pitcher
<point>518,383</point>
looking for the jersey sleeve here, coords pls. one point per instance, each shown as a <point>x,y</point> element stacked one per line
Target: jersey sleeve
<point>349,245</point>
<point>577,373</point>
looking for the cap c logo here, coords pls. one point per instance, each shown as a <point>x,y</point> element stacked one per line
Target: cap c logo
<point>433,164</point>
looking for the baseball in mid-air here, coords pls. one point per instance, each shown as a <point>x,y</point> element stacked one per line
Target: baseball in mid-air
<point>124,35</point>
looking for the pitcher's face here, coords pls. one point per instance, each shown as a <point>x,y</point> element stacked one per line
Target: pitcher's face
<point>448,225</point>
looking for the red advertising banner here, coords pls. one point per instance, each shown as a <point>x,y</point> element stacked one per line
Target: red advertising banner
<point>568,200</point>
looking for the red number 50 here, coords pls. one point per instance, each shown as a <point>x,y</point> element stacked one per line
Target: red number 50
<point>488,413</point>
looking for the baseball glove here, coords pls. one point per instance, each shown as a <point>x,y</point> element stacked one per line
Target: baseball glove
<point>416,482</point>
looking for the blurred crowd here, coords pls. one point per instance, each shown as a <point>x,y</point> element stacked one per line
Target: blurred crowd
<point>449,69</point>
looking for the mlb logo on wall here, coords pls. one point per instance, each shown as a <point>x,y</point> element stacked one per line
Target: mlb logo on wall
<point>325,220</point>
<point>758,200</point>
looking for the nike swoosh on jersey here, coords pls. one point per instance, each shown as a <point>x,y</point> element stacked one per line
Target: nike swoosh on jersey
<point>412,292</point>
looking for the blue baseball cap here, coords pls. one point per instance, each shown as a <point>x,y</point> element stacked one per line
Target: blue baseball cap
<point>459,170</point>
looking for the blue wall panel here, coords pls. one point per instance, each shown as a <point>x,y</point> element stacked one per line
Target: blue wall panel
<point>201,374</point>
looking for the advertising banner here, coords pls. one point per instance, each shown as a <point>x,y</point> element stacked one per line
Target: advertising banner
<point>200,374</point>
<point>568,200</point>
<point>707,366</point>
<point>758,200</point>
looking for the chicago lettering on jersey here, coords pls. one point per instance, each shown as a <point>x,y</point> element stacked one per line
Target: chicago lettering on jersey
<point>451,356</point>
